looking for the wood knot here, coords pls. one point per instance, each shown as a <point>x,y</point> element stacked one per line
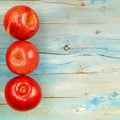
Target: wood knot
<point>66,47</point>
<point>86,94</point>
<point>83,4</point>
<point>77,110</point>
<point>45,73</point>
<point>103,8</point>
<point>98,31</point>
<point>82,70</point>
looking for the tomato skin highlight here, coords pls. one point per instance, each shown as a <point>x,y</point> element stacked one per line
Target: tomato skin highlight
<point>22,57</point>
<point>22,93</point>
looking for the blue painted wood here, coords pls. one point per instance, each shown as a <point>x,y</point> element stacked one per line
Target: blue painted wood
<point>100,1</point>
<point>79,69</point>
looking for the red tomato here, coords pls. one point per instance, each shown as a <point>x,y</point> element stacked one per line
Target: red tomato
<point>22,93</point>
<point>22,57</point>
<point>21,22</point>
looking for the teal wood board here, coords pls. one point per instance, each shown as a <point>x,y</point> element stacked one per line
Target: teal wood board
<point>79,71</point>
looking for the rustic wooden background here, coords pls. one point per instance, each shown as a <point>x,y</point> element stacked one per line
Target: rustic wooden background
<point>79,73</point>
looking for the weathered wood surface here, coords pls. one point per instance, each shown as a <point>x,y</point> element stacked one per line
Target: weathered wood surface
<point>79,72</point>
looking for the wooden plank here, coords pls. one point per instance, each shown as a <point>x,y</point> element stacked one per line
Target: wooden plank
<point>62,109</point>
<point>85,65</point>
<point>95,101</point>
<point>81,86</point>
<point>70,11</point>
<point>78,82</point>
<point>83,62</point>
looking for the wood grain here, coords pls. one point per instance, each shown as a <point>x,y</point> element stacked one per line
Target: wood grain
<point>79,69</point>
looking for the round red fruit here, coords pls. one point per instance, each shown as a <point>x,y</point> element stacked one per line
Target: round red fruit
<point>22,93</point>
<point>22,57</point>
<point>21,22</point>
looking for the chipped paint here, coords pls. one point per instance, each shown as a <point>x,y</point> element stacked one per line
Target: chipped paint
<point>98,1</point>
<point>112,99</point>
<point>95,102</point>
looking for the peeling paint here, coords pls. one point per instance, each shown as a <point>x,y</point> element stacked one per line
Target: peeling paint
<point>112,99</point>
<point>95,102</point>
<point>98,1</point>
